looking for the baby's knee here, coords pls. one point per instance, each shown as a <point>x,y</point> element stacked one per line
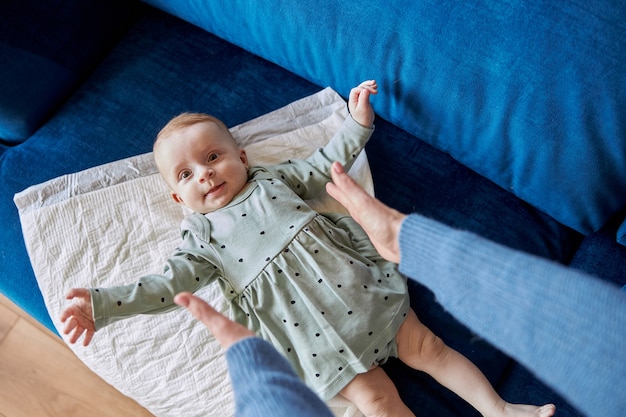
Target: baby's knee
<point>431,347</point>
<point>375,395</point>
<point>382,403</point>
<point>418,346</point>
<point>380,406</point>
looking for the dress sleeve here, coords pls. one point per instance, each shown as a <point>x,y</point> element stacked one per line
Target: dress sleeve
<point>185,270</point>
<point>308,177</point>
<point>265,384</point>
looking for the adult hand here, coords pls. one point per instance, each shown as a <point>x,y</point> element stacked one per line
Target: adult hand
<point>227,332</point>
<point>380,222</point>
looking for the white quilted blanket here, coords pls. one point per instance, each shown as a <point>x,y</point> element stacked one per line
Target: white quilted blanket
<point>110,224</point>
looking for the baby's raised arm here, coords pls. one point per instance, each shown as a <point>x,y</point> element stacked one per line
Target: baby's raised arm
<point>79,315</point>
<point>359,104</point>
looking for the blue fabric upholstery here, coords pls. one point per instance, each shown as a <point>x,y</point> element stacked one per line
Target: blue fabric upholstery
<point>621,234</point>
<point>413,176</point>
<point>528,94</point>
<point>32,87</point>
<point>600,255</point>
<point>46,49</point>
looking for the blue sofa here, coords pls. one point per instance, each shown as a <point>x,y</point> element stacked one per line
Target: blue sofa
<point>504,118</point>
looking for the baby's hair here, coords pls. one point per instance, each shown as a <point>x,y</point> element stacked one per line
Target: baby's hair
<point>184,120</point>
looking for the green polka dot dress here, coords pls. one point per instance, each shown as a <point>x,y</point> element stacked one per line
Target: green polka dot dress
<point>310,284</point>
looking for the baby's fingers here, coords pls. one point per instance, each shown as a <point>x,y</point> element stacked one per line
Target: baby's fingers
<point>370,85</point>
<point>77,331</point>
<point>78,293</point>
<point>74,328</point>
<point>67,313</point>
<point>76,335</point>
<point>88,336</point>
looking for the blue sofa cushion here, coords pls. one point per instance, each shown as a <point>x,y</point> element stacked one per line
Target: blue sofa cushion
<point>31,87</point>
<point>621,234</point>
<point>46,49</point>
<point>529,94</point>
<point>600,255</point>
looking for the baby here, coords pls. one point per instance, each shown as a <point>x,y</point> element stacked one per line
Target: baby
<point>311,284</point>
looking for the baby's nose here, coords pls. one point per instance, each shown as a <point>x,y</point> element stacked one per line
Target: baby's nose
<point>205,174</point>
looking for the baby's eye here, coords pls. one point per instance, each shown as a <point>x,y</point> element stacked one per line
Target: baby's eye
<point>213,157</point>
<point>184,174</point>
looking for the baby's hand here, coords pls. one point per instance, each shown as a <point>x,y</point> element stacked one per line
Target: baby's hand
<point>359,103</point>
<point>79,313</point>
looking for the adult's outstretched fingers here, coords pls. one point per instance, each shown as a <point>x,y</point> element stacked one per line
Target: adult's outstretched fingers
<point>226,331</point>
<point>381,223</point>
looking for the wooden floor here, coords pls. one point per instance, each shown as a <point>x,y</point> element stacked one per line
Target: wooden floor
<point>41,377</point>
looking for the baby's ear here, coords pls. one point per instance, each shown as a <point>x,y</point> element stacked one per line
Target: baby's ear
<point>177,198</point>
<point>243,157</point>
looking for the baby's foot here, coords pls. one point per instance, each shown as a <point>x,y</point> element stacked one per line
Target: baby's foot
<point>522,410</point>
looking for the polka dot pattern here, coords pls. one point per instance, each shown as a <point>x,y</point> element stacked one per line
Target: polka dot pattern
<point>298,279</point>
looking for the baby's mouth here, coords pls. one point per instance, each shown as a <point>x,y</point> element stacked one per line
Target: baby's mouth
<point>215,189</point>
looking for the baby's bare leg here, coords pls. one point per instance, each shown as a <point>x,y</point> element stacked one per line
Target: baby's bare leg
<point>421,349</point>
<point>375,395</point>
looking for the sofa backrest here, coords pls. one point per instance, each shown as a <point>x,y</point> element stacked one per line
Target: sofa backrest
<point>529,94</point>
<point>46,49</point>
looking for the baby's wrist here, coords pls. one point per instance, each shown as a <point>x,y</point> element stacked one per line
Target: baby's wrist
<point>363,123</point>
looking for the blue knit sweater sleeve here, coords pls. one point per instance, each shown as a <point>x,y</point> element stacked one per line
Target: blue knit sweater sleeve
<point>265,384</point>
<point>565,326</point>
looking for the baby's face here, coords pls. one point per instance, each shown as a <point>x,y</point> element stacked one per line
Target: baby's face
<point>202,165</point>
